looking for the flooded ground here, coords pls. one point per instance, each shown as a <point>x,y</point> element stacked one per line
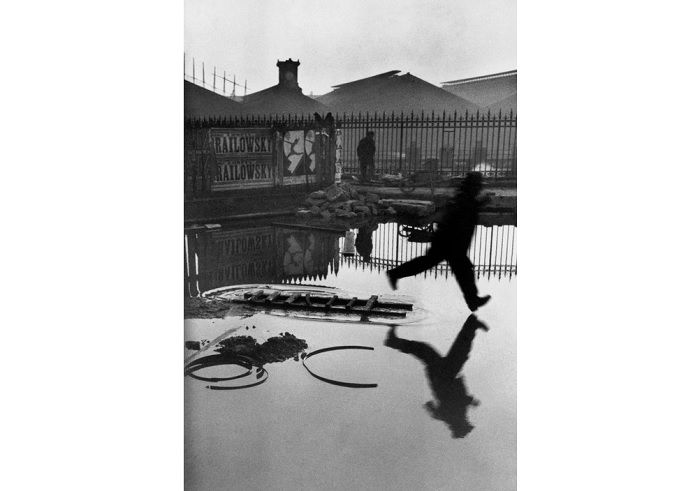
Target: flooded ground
<point>420,427</point>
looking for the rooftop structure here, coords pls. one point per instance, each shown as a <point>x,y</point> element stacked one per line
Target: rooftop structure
<point>390,92</point>
<point>495,91</point>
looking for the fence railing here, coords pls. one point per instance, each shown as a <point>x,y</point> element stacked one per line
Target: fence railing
<point>445,145</point>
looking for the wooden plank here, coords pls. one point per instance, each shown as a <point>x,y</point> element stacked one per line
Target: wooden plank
<point>330,302</point>
<point>307,299</point>
<point>273,297</point>
<point>351,303</point>
<point>341,309</point>
<point>394,305</point>
<point>292,298</point>
<point>371,302</point>
<point>256,295</point>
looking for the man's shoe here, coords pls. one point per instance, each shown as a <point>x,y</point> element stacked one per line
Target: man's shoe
<point>474,323</point>
<point>392,280</point>
<point>478,302</point>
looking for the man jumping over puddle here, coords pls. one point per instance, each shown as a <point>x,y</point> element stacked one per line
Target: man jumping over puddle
<point>451,242</point>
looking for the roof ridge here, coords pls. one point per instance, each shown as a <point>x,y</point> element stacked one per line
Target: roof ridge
<point>380,75</point>
<point>482,77</point>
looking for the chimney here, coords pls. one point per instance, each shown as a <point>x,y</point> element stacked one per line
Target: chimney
<point>288,74</point>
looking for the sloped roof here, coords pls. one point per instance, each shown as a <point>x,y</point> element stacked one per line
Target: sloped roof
<point>481,78</point>
<point>373,78</point>
<point>203,103</point>
<point>485,90</point>
<point>505,105</point>
<point>281,100</point>
<point>389,92</point>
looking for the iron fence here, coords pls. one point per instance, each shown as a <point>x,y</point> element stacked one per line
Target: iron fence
<point>447,144</point>
<point>443,145</point>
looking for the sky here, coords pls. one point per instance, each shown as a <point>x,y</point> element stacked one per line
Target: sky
<point>341,41</point>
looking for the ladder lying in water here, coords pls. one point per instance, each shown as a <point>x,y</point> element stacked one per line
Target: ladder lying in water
<point>325,303</point>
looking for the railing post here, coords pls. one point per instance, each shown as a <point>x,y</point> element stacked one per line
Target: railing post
<point>401,144</point>
<point>498,144</point>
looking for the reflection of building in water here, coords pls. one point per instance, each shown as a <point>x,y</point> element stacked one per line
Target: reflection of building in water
<point>493,251</point>
<point>271,254</point>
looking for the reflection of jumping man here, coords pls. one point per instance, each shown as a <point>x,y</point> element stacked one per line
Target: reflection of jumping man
<point>452,400</point>
<point>451,242</point>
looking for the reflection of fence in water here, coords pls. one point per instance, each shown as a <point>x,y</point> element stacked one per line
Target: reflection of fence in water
<point>294,256</point>
<point>493,251</point>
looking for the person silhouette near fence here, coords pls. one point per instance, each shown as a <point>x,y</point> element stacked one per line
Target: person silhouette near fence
<point>452,400</point>
<point>365,154</point>
<point>451,242</point>
<point>363,241</point>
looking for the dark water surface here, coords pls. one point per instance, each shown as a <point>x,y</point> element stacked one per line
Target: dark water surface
<point>420,428</point>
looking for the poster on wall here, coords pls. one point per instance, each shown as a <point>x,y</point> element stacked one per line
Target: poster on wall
<point>299,159</point>
<point>243,158</point>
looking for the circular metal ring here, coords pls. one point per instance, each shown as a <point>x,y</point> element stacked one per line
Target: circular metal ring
<point>352,385</point>
<point>217,360</point>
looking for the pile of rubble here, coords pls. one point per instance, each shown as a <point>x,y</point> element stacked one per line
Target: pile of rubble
<point>275,349</point>
<point>345,202</point>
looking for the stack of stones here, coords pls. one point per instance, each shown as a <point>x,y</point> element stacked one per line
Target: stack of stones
<point>343,201</point>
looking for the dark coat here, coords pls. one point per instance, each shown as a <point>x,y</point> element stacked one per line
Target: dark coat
<point>456,227</point>
<point>365,150</point>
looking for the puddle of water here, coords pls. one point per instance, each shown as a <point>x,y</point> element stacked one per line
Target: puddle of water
<point>420,427</point>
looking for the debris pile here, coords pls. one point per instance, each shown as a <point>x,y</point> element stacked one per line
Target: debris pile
<point>193,345</point>
<point>276,349</point>
<point>345,202</point>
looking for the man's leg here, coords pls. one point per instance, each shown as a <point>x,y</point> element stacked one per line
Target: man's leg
<point>417,265</point>
<point>463,270</point>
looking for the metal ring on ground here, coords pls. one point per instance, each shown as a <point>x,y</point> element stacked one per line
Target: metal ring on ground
<point>217,360</point>
<point>352,385</point>
<point>236,387</point>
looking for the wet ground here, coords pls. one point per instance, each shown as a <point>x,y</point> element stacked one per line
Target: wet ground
<point>443,412</point>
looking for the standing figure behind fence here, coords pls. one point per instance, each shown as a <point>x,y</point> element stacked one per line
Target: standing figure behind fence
<point>451,242</point>
<point>365,154</point>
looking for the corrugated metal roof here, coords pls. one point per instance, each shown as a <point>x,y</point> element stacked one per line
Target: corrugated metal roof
<point>481,78</point>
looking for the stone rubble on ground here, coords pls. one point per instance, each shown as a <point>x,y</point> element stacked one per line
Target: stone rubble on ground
<point>345,202</point>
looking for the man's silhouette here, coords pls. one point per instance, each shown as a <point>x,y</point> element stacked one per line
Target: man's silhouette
<point>365,154</point>
<point>452,400</point>
<point>451,242</point>
<point>363,241</point>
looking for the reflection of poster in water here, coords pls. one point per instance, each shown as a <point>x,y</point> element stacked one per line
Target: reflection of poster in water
<point>304,253</point>
<point>299,159</point>
<point>243,158</point>
<point>236,256</point>
<point>254,255</point>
